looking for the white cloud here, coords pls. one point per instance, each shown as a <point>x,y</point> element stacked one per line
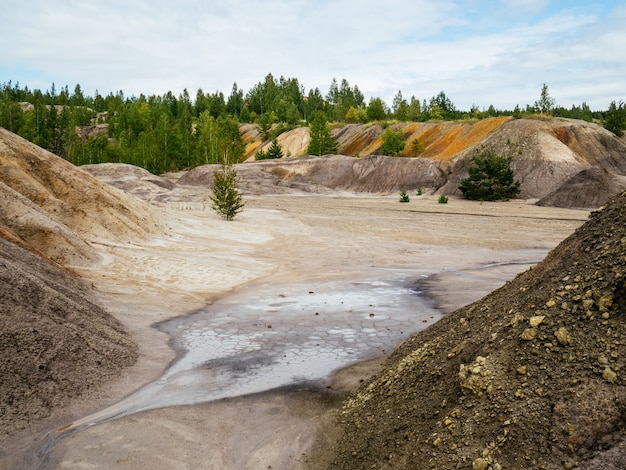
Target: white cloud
<point>474,51</point>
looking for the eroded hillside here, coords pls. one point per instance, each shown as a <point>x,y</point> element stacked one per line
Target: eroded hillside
<point>57,208</point>
<point>559,162</point>
<point>552,158</point>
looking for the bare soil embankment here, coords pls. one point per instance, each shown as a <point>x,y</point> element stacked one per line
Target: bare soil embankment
<point>57,342</point>
<point>563,162</point>
<point>58,209</point>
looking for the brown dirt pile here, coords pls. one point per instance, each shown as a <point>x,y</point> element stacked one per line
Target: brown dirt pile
<point>531,376</point>
<point>55,342</point>
<point>590,187</point>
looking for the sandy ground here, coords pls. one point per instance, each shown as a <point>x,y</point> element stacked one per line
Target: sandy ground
<point>279,239</point>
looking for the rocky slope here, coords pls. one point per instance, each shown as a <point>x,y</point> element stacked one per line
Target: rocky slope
<point>553,158</point>
<point>531,376</point>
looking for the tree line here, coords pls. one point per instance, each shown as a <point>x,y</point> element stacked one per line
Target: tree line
<point>167,132</point>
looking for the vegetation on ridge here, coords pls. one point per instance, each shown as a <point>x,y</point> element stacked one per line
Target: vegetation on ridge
<point>165,133</point>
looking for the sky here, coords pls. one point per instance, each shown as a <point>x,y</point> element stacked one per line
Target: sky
<point>478,52</point>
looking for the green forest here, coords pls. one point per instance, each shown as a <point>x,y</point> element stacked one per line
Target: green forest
<point>169,133</point>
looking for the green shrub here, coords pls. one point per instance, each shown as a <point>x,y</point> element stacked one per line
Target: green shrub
<point>417,148</point>
<point>419,192</point>
<point>490,178</point>
<point>404,197</point>
<point>393,143</point>
<point>443,199</point>
<point>273,152</point>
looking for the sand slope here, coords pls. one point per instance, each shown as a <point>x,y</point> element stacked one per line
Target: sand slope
<point>48,202</point>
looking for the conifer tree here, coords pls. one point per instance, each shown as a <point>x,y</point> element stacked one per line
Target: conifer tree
<point>226,198</point>
<point>275,150</point>
<point>491,177</point>
<point>615,118</point>
<point>322,141</point>
<point>545,103</point>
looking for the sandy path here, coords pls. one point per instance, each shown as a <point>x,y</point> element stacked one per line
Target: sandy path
<point>280,238</point>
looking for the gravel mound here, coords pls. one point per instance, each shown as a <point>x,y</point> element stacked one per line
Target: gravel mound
<point>531,376</point>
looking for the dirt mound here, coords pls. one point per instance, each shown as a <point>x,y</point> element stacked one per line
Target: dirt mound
<point>49,203</point>
<point>441,140</point>
<point>130,179</point>
<point>592,187</point>
<point>374,174</point>
<point>28,223</point>
<point>293,143</point>
<point>55,342</point>
<point>531,376</point>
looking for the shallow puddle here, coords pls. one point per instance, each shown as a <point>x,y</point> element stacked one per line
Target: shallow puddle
<point>269,336</point>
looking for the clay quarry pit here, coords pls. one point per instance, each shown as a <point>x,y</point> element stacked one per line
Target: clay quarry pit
<point>281,241</point>
<point>143,331</point>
